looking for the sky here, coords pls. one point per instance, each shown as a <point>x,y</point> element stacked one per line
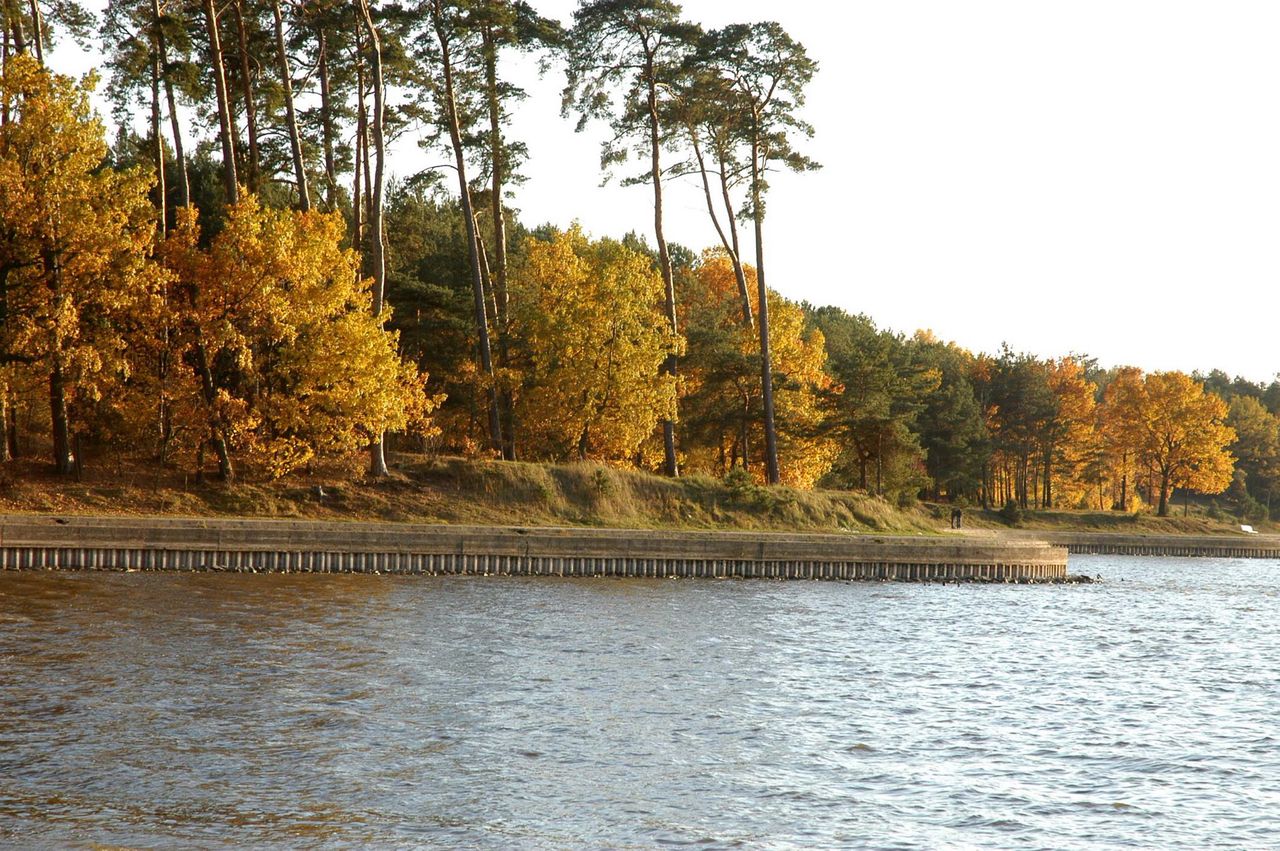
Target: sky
<point>1100,177</point>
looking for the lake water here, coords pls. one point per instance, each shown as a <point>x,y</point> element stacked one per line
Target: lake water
<point>151,710</point>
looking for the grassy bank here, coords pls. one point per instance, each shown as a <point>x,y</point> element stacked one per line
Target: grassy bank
<point>452,490</point>
<point>448,490</point>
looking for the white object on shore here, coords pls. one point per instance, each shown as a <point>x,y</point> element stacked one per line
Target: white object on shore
<point>1247,528</point>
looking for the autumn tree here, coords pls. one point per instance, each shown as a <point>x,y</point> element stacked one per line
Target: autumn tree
<point>1120,427</point>
<point>724,417</point>
<point>624,58</point>
<point>75,241</point>
<point>1181,433</point>
<point>451,48</point>
<point>301,367</point>
<point>1068,434</point>
<point>593,340</point>
<point>767,71</point>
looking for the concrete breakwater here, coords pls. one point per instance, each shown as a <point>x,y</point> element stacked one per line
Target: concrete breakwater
<point>108,543</point>
<point>1169,546</point>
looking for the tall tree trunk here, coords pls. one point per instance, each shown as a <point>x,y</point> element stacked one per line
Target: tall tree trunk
<point>57,380</point>
<point>14,16</point>
<point>1048,477</point>
<point>357,197</point>
<point>290,116</point>
<point>62,461</point>
<point>1163,509</point>
<point>730,246</point>
<point>326,123</point>
<point>375,258</point>
<point>766,357</point>
<point>670,466</point>
<point>230,183</point>
<point>468,216</point>
<point>254,166</point>
<point>37,31</point>
<point>6,416</point>
<point>184,184</point>
<point>497,157</point>
<point>162,205</point>
<point>4,60</point>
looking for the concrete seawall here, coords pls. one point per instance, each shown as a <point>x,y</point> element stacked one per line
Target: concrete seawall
<point>99,543</point>
<point>1186,546</point>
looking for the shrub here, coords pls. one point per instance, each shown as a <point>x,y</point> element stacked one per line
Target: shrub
<point>1011,513</point>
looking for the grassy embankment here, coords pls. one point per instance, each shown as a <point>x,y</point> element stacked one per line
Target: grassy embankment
<point>450,490</point>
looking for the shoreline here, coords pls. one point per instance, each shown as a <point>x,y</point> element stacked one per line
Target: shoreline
<point>56,542</point>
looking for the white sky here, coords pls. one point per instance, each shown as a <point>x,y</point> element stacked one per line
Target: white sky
<point>1099,177</point>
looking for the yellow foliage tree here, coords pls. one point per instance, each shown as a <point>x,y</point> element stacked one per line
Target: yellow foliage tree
<point>1176,429</point>
<point>75,244</point>
<point>724,405</point>
<point>1119,426</point>
<point>594,337</point>
<point>297,363</point>
<point>1070,434</point>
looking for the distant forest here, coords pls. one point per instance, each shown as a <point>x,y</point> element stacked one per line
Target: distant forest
<point>258,294</point>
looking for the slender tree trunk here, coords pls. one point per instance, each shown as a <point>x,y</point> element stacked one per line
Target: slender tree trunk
<point>254,169</point>
<point>670,465</point>
<point>57,380</point>
<point>357,197</point>
<point>230,183</point>
<point>1048,478</point>
<point>6,416</point>
<point>766,358</point>
<point>4,60</point>
<point>290,116</point>
<point>1124,482</point>
<point>162,205</point>
<point>1163,509</point>
<point>184,185</point>
<point>62,461</point>
<point>326,124</point>
<point>14,16</point>
<point>37,31</point>
<point>730,247</point>
<point>497,157</point>
<point>376,256</point>
<point>468,216</point>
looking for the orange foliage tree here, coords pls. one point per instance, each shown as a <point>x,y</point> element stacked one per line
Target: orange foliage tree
<point>724,406</point>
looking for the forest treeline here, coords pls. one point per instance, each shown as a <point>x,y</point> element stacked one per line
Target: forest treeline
<point>236,281</point>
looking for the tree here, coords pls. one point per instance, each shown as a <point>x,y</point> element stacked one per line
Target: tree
<point>1068,435</point>
<point>768,71</point>
<point>375,255</point>
<point>1183,436</point>
<point>624,57</point>
<point>226,132</point>
<point>454,45</point>
<point>593,342</point>
<point>952,431</point>
<point>879,390</point>
<point>1257,445</point>
<point>75,242</point>
<point>722,386</point>
<point>301,366</point>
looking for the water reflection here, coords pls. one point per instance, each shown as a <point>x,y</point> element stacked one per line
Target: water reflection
<point>344,711</point>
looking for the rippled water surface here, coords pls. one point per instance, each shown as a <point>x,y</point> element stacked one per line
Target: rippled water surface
<point>302,711</point>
